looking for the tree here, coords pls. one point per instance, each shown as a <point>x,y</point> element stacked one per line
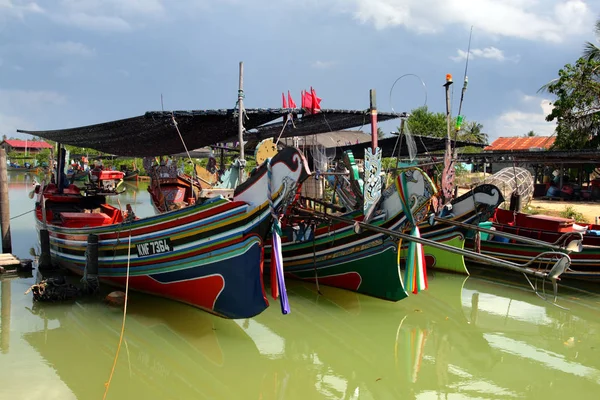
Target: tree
<point>425,123</point>
<point>4,138</point>
<point>590,50</point>
<point>380,133</point>
<point>577,106</point>
<point>473,132</point>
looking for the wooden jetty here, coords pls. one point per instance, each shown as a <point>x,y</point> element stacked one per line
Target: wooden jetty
<point>11,263</point>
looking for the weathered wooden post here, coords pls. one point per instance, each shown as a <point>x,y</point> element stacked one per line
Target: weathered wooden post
<point>90,275</point>
<point>5,316</point>
<point>4,205</point>
<point>91,261</point>
<point>44,261</point>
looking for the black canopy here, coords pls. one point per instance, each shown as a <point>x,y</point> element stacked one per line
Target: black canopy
<point>425,144</point>
<point>154,133</point>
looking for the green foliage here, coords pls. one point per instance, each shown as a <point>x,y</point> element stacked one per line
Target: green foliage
<point>43,157</point>
<point>570,212</point>
<point>422,122</point>
<point>577,105</point>
<point>473,132</point>
<point>531,134</point>
<point>425,123</point>
<point>591,51</point>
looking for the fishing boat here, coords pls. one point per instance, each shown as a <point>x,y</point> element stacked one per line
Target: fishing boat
<point>473,207</point>
<point>170,188</point>
<point>26,169</point>
<point>338,255</point>
<point>585,263</point>
<point>209,255</point>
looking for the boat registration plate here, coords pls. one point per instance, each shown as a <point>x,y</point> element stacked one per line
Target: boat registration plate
<point>154,247</point>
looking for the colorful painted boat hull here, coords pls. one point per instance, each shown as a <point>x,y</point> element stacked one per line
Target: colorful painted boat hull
<point>584,265</point>
<point>475,206</point>
<point>357,272</point>
<point>208,255</point>
<point>365,262</point>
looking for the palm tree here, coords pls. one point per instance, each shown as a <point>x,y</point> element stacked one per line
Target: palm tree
<point>473,132</point>
<point>590,50</point>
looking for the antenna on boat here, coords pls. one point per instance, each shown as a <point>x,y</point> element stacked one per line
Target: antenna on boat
<point>241,160</point>
<point>162,106</point>
<point>459,117</point>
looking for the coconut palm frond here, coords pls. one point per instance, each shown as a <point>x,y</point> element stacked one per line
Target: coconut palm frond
<point>591,51</point>
<point>545,87</point>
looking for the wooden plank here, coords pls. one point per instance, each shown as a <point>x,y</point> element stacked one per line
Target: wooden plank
<point>6,263</point>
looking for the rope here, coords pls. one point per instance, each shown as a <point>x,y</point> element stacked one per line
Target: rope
<point>270,190</point>
<point>107,384</point>
<point>20,215</point>
<point>184,145</point>
<point>283,129</point>
<point>314,233</point>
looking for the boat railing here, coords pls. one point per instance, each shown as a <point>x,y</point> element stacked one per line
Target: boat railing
<point>562,244</point>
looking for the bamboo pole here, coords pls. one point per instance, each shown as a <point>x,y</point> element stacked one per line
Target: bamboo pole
<point>4,205</point>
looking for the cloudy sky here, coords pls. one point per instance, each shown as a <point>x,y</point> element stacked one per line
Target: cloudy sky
<point>66,63</point>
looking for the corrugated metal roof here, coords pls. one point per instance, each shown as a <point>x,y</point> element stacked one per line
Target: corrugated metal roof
<point>521,143</point>
<point>30,144</point>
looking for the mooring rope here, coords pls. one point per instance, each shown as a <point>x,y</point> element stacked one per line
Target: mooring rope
<point>107,384</point>
<point>288,117</point>
<point>20,215</point>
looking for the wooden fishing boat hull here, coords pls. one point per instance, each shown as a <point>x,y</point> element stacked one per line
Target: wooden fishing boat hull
<point>365,262</point>
<point>27,170</point>
<point>475,206</point>
<point>205,256</point>
<point>369,268</point>
<point>209,255</point>
<point>131,176</point>
<point>441,259</point>
<point>584,265</point>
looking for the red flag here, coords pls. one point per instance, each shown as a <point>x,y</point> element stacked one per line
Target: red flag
<point>306,100</point>
<point>283,100</point>
<point>316,101</point>
<point>291,101</point>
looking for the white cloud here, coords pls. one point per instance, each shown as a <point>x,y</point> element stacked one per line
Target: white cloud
<point>19,8</point>
<point>322,64</point>
<point>529,116</point>
<point>93,22</point>
<point>491,53</point>
<point>551,20</point>
<point>107,15</point>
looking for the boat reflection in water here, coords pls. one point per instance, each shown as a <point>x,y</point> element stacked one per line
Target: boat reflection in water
<point>463,336</point>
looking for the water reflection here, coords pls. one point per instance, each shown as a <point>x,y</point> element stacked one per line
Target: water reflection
<point>5,307</point>
<point>462,338</point>
<point>449,341</point>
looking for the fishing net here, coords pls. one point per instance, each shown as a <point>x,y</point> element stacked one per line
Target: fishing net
<point>411,145</point>
<point>513,179</point>
<point>58,289</point>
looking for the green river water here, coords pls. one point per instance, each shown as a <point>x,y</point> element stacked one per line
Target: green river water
<point>463,338</point>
